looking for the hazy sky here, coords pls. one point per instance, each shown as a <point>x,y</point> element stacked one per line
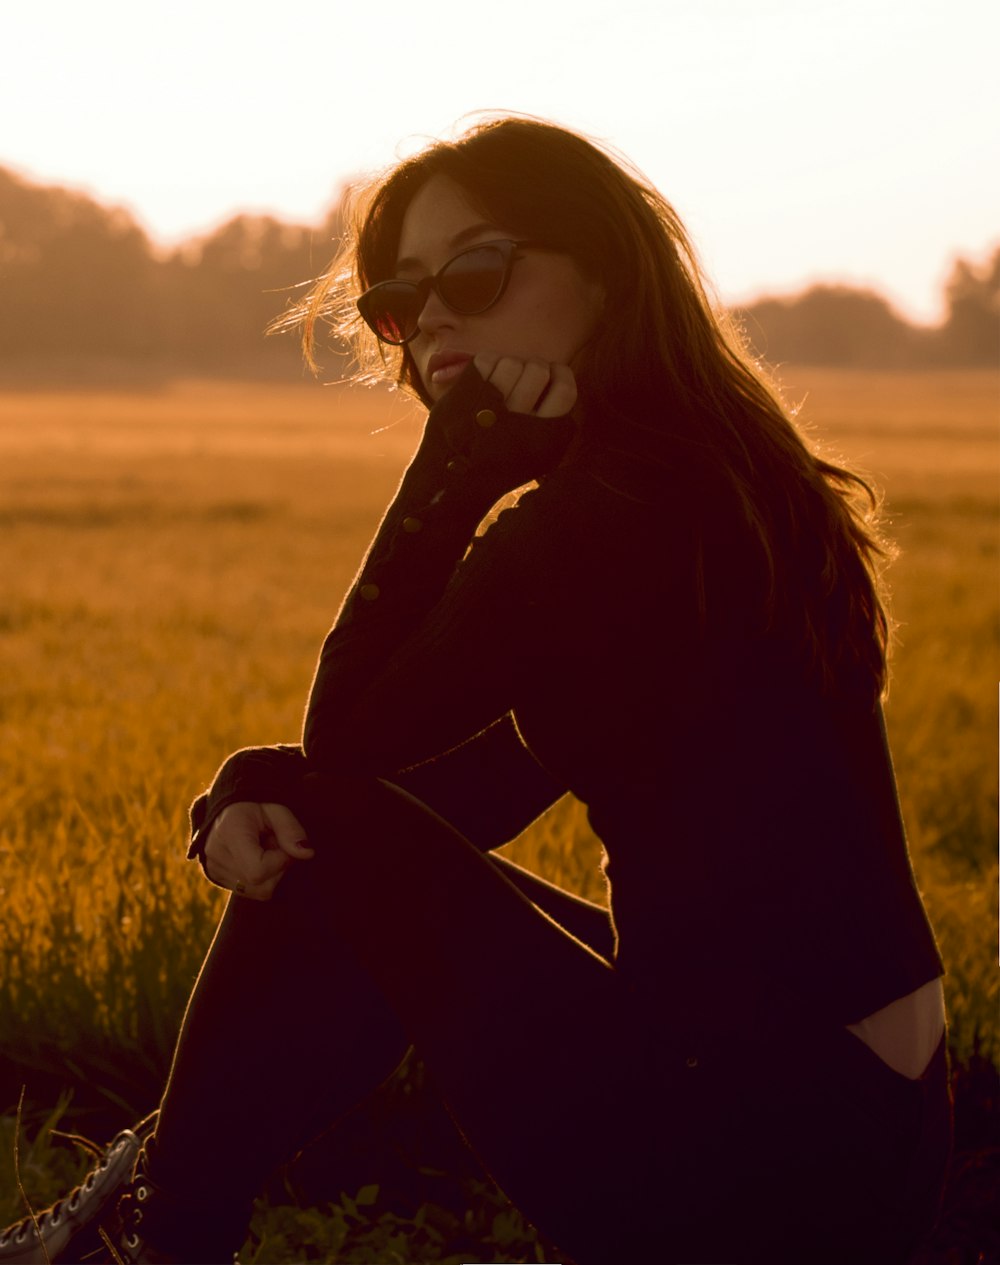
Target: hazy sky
<point>800,139</point>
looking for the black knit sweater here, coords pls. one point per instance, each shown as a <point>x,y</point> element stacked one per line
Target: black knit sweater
<point>754,846</point>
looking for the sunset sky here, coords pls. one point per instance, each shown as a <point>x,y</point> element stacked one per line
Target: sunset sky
<point>801,140</point>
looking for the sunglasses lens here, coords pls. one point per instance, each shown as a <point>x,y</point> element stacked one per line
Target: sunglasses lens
<point>391,310</point>
<point>473,280</point>
<point>470,283</point>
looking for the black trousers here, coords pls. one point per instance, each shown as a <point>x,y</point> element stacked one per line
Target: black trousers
<point>399,932</point>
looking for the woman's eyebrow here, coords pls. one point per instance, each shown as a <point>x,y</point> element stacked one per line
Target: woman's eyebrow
<point>454,243</point>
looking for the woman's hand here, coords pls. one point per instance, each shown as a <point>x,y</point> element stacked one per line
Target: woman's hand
<point>250,846</point>
<point>503,423</point>
<point>535,387</point>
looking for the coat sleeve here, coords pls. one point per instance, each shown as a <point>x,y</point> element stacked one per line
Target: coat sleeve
<point>420,658</point>
<point>490,788</point>
<point>495,631</point>
<point>494,787</point>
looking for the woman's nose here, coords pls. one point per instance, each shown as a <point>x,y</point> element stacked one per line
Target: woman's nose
<point>435,314</point>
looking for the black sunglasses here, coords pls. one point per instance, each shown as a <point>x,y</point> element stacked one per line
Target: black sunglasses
<point>469,283</point>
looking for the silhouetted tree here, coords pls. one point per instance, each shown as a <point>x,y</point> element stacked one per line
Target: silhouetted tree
<point>971,334</point>
<point>79,279</point>
<point>832,325</point>
<point>74,275</point>
<point>221,290</point>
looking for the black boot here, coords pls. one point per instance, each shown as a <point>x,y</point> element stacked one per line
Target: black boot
<point>68,1230</point>
<point>151,1226</point>
<point>119,1216</point>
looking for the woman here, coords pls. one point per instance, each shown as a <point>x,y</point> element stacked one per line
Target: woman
<point>681,625</point>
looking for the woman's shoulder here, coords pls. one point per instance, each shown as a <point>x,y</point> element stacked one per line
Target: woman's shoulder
<point>565,532</point>
<point>589,528</point>
<point>581,512</point>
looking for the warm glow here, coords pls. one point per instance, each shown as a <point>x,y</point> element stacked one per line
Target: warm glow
<point>850,139</point>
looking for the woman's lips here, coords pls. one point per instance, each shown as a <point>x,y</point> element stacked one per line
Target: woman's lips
<point>444,369</point>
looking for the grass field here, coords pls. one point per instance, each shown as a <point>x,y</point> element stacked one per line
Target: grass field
<point>171,561</point>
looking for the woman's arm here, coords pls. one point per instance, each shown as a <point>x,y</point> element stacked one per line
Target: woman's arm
<point>258,775</point>
<point>537,593</point>
<point>473,451</point>
<point>493,787</point>
<point>490,788</point>
<point>414,591</point>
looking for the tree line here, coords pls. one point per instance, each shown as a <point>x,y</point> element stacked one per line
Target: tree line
<point>82,280</point>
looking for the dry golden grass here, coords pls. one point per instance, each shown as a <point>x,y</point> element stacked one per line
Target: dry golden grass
<point>172,560</point>
<point>930,434</point>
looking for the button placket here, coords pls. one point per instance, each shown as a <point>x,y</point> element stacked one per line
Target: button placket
<point>397,560</point>
<point>411,524</point>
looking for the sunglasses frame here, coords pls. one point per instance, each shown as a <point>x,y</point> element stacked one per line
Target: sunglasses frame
<point>505,245</point>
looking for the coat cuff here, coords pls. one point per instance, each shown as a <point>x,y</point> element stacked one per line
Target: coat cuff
<point>259,775</point>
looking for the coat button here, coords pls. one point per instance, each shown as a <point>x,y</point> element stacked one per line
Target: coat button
<point>412,525</point>
<point>485,418</point>
<point>369,592</point>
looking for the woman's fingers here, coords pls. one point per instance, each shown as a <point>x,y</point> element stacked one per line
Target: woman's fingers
<point>287,832</point>
<point>529,386</point>
<point>521,382</point>
<point>486,362</point>
<point>530,389</point>
<point>251,845</point>
<point>262,873</point>
<point>561,395</point>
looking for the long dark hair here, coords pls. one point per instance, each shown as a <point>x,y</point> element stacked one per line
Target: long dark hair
<point>666,375</point>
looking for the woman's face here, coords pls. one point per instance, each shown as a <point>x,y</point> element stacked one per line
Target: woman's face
<point>547,312</point>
